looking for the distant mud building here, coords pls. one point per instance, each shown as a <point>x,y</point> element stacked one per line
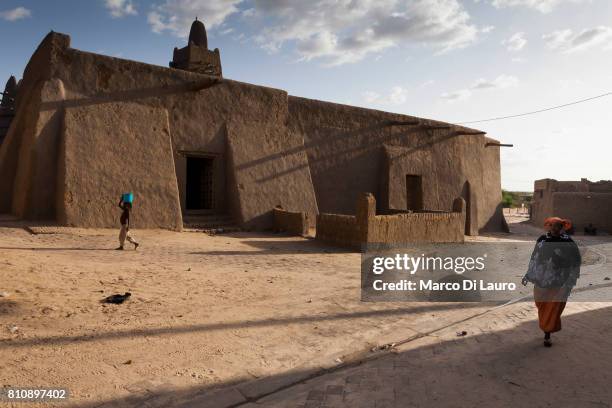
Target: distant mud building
<point>584,202</point>
<point>87,127</point>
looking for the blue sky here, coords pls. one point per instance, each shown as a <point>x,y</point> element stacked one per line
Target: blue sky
<point>444,59</point>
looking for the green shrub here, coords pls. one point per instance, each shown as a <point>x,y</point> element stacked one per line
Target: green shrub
<point>510,199</point>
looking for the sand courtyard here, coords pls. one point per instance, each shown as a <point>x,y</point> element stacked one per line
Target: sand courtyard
<point>257,312</point>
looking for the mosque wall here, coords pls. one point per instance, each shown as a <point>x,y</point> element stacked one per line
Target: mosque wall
<point>136,156</point>
<point>351,150</point>
<point>269,148</point>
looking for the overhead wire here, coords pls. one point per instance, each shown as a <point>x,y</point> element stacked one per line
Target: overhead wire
<point>536,111</point>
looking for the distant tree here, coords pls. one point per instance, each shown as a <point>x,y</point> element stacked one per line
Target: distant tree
<point>510,199</point>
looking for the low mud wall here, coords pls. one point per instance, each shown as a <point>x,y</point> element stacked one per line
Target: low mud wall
<point>417,227</point>
<point>400,228</point>
<point>337,229</point>
<point>290,222</point>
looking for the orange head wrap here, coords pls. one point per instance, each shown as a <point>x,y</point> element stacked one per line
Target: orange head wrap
<point>567,224</point>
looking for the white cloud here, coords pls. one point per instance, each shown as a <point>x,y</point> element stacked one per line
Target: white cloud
<point>568,41</point>
<point>398,95</point>
<point>487,29</point>
<point>557,39</point>
<point>516,42</point>
<point>176,16</point>
<point>427,83</point>
<point>501,82</point>
<point>251,12</point>
<point>335,31</point>
<point>15,14</point>
<point>571,84</point>
<point>342,31</point>
<point>371,96</point>
<point>544,6</point>
<point>457,95</point>
<point>120,8</point>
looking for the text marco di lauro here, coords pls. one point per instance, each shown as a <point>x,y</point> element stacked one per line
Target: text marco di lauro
<point>429,284</point>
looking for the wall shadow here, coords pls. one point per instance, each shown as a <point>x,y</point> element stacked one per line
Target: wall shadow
<point>309,246</point>
<point>506,368</point>
<point>131,94</point>
<point>496,222</point>
<point>374,141</point>
<point>241,324</point>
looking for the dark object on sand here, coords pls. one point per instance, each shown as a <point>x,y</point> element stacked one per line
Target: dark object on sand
<point>117,299</point>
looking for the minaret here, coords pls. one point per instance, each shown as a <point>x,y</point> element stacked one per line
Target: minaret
<point>10,92</point>
<point>197,34</point>
<point>7,107</point>
<point>196,56</point>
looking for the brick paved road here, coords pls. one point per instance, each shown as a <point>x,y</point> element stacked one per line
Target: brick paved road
<point>500,363</point>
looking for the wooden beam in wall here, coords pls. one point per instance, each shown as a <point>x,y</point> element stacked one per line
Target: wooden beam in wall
<point>435,127</point>
<point>467,133</point>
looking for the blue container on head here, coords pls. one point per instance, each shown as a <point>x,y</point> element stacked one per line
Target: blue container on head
<point>127,198</point>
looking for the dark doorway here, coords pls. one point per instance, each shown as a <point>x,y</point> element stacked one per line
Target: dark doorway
<point>414,192</point>
<point>466,193</point>
<point>200,191</point>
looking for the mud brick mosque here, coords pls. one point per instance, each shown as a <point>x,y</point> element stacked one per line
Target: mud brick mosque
<point>81,128</point>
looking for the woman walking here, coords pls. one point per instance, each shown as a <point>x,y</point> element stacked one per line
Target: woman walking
<point>124,233</point>
<point>554,269</point>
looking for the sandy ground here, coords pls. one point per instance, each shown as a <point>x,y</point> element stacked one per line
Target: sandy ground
<point>205,312</point>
